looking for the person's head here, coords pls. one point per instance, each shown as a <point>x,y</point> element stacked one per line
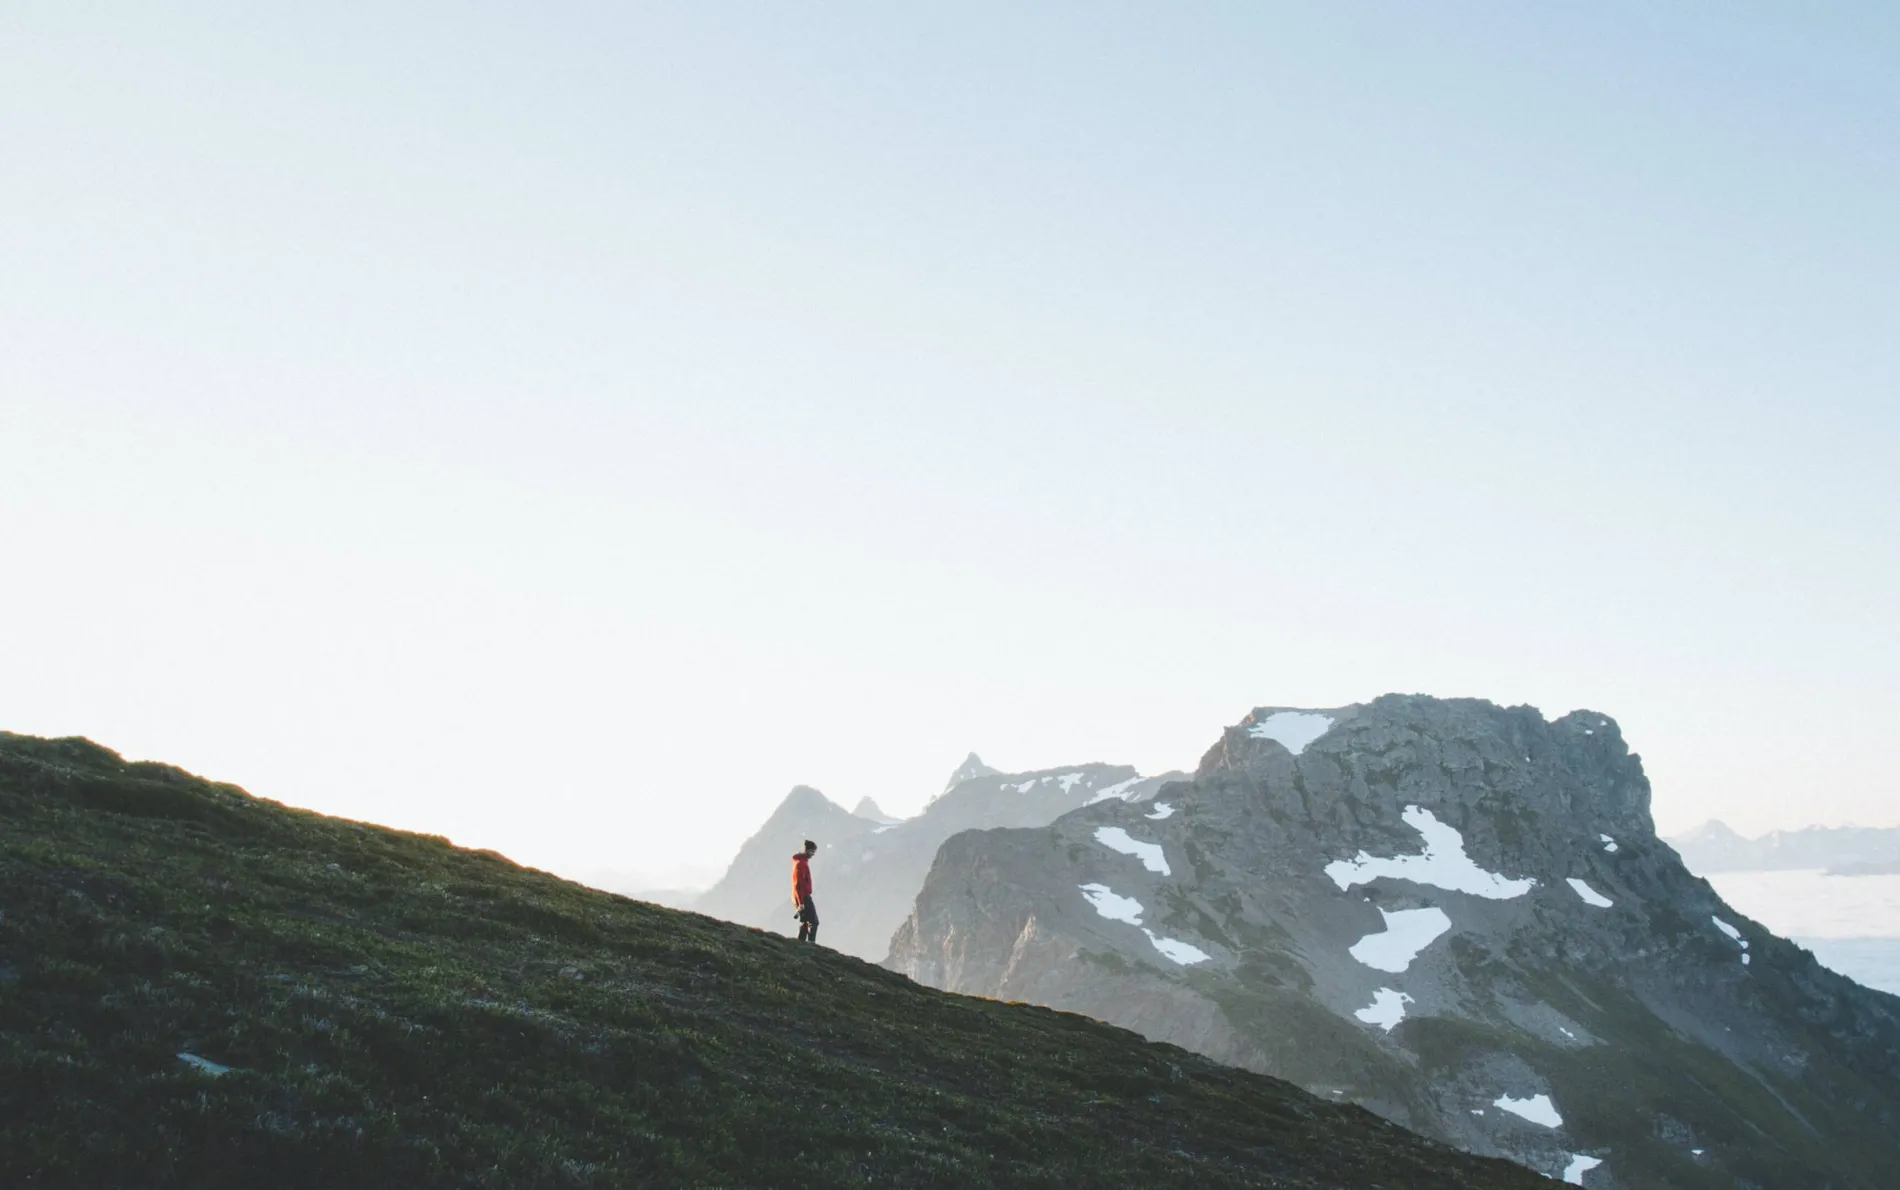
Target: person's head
<point>811,849</point>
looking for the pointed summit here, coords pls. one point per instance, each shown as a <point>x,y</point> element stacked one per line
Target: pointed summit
<point>972,766</point>
<point>866,808</point>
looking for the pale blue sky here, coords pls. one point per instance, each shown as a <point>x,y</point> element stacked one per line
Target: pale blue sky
<point>564,427</point>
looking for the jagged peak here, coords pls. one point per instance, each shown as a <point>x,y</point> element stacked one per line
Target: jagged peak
<point>971,768</point>
<point>866,808</point>
<point>806,798</point>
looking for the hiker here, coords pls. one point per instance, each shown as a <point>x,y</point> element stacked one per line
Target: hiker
<point>801,893</point>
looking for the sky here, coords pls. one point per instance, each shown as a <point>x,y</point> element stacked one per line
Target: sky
<point>566,427</point>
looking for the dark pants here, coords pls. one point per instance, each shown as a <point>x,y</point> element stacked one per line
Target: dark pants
<point>808,921</point>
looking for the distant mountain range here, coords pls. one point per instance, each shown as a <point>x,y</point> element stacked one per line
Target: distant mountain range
<point>870,866</point>
<point>1841,850</point>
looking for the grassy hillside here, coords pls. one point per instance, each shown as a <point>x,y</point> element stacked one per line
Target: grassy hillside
<point>394,1010</point>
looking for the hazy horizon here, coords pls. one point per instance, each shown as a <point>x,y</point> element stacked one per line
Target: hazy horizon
<point>568,429</point>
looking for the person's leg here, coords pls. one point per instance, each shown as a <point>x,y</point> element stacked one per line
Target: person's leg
<point>808,921</point>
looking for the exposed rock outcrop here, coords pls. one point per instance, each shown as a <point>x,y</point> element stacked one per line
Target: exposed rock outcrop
<point>1456,914</point>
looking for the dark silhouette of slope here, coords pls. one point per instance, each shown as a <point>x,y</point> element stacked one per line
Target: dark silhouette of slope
<point>199,988</point>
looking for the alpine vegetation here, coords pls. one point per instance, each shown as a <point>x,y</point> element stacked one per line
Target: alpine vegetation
<point>202,989</point>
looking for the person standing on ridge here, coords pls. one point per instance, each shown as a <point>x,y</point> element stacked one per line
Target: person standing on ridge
<point>801,893</point>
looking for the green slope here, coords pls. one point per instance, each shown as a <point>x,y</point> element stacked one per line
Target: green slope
<point>397,1011</point>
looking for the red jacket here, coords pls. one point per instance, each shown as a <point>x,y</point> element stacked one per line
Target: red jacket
<point>801,878</point>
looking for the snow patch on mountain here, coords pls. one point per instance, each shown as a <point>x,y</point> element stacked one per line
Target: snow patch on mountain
<point>1293,730</point>
<point>1580,1164</point>
<point>1116,839</point>
<point>1538,1109</point>
<point>1443,864</point>
<point>1590,895</point>
<point>1386,1010</point>
<point>1118,789</point>
<point>1114,908</point>
<point>1161,810</point>
<point>1407,931</point>
<point>1177,950</point>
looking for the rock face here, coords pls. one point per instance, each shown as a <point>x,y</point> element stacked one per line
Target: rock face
<point>1455,914</point>
<point>868,869</point>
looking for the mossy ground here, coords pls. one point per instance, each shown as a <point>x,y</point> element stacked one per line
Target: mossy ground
<point>397,1011</point>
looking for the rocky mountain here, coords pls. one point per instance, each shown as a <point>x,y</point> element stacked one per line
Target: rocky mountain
<point>201,989</point>
<point>756,889</point>
<point>1456,914</point>
<point>866,808</point>
<point>1846,850</point>
<point>868,869</point>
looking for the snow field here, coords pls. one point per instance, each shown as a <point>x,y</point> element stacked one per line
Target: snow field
<point>1118,789</point>
<point>1177,950</point>
<point>1128,910</point>
<point>1443,864</point>
<point>1590,895</point>
<point>1293,730</point>
<point>1116,839</point>
<point>1538,1109</point>
<point>1734,934</point>
<point>1580,1164</point>
<point>1407,932</point>
<point>1114,908</point>
<point>1386,1010</point>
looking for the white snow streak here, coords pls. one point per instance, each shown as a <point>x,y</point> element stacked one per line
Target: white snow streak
<point>1590,895</point>
<point>1116,839</point>
<point>1579,1165</point>
<point>1177,950</point>
<point>1734,933</point>
<point>1443,864</point>
<point>1386,1010</point>
<point>1538,1109</point>
<point>1161,810</point>
<point>1609,844</point>
<point>1118,789</point>
<point>1407,932</point>
<point>1109,905</point>
<point>206,1065</point>
<point>1068,781</point>
<point>1025,786</point>
<point>1129,910</point>
<point>1292,729</point>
